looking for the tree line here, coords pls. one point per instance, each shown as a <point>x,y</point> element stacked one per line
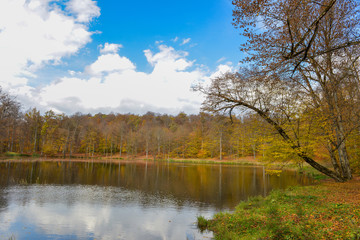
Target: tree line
<point>151,135</point>
<point>159,136</point>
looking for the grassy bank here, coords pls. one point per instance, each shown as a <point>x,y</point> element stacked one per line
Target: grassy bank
<point>327,210</point>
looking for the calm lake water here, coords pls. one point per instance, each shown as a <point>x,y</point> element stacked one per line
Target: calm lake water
<point>152,200</point>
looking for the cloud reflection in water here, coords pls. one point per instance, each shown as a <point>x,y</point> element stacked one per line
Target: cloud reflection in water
<point>93,212</point>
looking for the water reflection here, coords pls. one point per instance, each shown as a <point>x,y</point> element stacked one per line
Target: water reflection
<point>143,200</point>
<point>87,212</point>
<point>219,186</point>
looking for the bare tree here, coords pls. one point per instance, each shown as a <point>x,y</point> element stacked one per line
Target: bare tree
<point>9,115</point>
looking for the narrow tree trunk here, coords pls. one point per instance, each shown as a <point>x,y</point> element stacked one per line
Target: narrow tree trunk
<point>12,138</point>
<point>8,138</point>
<point>72,141</point>
<point>35,139</point>
<point>120,147</point>
<point>220,146</point>
<point>158,143</point>
<point>111,149</point>
<point>66,143</point>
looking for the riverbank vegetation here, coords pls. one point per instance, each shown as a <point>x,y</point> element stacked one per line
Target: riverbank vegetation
<point>327,210</point>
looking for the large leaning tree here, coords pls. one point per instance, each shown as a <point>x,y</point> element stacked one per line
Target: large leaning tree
<point>301,75</point>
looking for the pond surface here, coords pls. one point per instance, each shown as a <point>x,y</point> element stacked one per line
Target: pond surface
<point>124,200</point>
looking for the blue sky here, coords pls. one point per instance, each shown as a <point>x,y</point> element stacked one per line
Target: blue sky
<point>129,56</point>
<point>138,24</point>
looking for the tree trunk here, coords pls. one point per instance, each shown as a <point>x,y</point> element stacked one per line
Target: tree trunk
<point>111,149</point>
<point>220,146</point>
<point>296,148</point>
<point>35,139</point>
<point>120,147</point>
<point>334,160</point>
<point>66,143</point>
<point>343,156</point>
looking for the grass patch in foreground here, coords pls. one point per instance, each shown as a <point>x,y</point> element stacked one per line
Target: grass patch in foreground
<point>295,213</point>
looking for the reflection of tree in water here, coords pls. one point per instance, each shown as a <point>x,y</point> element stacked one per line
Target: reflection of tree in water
<point>3,199</point>
<point>217,185</point>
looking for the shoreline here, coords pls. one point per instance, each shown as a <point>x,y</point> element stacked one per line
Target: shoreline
<point>329,207</point>
<point>243,161</point>
<point>271,168</point>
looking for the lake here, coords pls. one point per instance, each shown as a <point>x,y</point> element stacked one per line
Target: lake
<point>123,200</point>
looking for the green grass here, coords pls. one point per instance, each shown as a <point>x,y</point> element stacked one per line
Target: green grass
<point>306,170</point>
<point>15,155</point>
<point>295,213</point>
<point>312,172</point>
<point>12,154</point>
<point>202,223</point>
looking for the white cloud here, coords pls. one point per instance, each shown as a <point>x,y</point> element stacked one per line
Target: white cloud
<point>168,55</point>
<point>221,59</point>
<point>185,41</point>
<point>175,39</point>
<point>124,89</point>
<point>110,48</point>
<point>38,32</point>
<point>85,10</point>
<point>112,83</point>
<point>71,72</point>
<point>221,69</point>
<point>110,63</point>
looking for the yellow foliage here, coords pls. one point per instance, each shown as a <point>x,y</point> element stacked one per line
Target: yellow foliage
<point>273,172</point>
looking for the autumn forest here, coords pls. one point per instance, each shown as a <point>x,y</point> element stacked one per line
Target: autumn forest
<point>158,136</point>
<point>151,136</point>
